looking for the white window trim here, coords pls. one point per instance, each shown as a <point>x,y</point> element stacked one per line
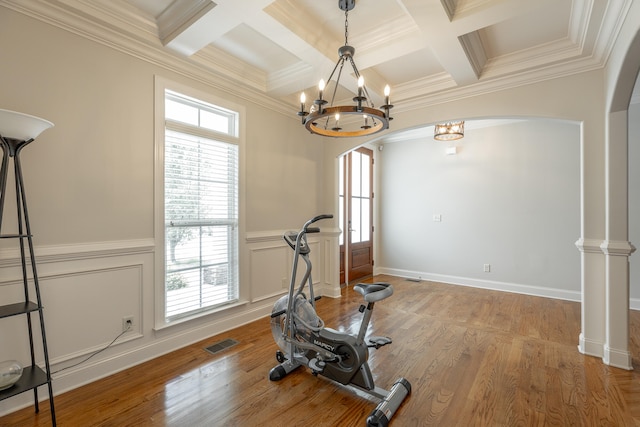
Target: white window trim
<point>160,85</point>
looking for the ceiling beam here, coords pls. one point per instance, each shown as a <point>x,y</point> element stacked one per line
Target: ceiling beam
<point>452,33</point>
<point>207,22</point>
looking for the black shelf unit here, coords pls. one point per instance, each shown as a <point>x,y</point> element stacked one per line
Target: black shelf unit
<point>33,376</point>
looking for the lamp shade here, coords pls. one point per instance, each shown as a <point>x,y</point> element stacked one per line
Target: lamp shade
<point>21,126</point>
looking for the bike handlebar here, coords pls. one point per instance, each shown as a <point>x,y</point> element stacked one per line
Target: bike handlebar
<point>323,216</point>
<point>291,237</point>
<point>315,219</point>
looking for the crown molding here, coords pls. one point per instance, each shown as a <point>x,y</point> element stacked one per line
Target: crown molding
<point>489,85</point>
<point>611,24</point>
<point>115,15</point>
<point>455,8</point>
<point>472,45</point>
<point>536,58</point>
<point>208,67</point>
<point>420,88</point>
<point>297,23</point>
<point>388,32</point>
<point>295,75</point>
<point>179,15</point>
<point>220,62</point>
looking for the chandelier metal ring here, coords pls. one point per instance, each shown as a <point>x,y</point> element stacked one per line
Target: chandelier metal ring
<point>380,122</point>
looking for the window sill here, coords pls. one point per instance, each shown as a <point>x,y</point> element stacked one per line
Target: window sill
<point>199,315</point>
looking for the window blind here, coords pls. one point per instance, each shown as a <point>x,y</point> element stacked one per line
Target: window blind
<point>201,223</point>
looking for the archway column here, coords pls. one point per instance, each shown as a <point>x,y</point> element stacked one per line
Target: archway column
<point>592,338</point>
<point>616,346</point>
<point>593,309</point>
<point>616,247</point>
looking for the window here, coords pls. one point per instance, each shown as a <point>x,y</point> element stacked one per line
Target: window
<point>200,206</point>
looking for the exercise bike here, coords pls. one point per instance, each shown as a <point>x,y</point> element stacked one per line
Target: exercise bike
<point>305,341</point>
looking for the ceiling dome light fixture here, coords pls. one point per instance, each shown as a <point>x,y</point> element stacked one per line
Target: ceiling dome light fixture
<point>324,121</point>
<point>448,131</point>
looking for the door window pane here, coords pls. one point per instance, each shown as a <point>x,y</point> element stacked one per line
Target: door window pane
<point>364,175</point>
<point>356,160</point>
<point>366,220</point>
<point>356,224</point>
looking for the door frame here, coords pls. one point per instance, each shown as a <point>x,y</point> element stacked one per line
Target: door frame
<point>346,247</point>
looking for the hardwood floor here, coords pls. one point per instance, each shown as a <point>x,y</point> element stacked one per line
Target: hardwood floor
<point>473,357</point>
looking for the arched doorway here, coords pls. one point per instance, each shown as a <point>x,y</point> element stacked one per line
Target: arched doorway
<point>617,246</point>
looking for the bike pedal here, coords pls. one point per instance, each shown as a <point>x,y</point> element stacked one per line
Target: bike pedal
<point>378,342</point>
<point>316,365</point>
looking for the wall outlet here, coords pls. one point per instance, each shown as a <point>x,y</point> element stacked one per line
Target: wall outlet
<point>487,268</point>
<point>127,323</point>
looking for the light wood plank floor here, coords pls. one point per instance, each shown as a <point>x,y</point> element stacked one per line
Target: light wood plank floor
<point>474,358</point>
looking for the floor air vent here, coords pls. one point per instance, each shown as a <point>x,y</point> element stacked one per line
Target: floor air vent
<point>222,345</point>
<point>414,280</point>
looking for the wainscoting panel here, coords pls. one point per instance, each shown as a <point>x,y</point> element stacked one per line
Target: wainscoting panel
<point>85,295</point>
<point>84,309</point>
<point>271,262</point>
<point>268,270</point>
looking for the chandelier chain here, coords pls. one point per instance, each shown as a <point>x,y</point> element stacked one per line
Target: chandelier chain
<point>346,27</point>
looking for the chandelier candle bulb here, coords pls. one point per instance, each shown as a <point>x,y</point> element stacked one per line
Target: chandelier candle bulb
<point>320,89</point>
<point>387,106</point>
<point>302,113</point>
<point>366,122</point>
<point>337,127</point>
<point>359,98</point>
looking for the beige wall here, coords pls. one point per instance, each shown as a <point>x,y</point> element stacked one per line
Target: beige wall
<point>90,188</point>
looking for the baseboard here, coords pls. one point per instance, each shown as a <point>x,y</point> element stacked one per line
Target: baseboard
<point>590,347</point>
<point>538,291</point>
<point>90,372</point>
<point>617,358</point>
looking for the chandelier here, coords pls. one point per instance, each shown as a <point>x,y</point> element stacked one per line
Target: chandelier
<point>362,118</point>
<point>448,131</point>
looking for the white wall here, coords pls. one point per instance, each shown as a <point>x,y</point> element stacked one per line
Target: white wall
<point>634,202</point>
<point>90,188</point>
<point>509,198</point>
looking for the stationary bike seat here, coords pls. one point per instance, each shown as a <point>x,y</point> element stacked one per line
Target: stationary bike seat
<point>373,292</point>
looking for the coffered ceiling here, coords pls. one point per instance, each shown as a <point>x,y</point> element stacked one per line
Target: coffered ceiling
<point>427,50</point>
<point>421,48</point>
